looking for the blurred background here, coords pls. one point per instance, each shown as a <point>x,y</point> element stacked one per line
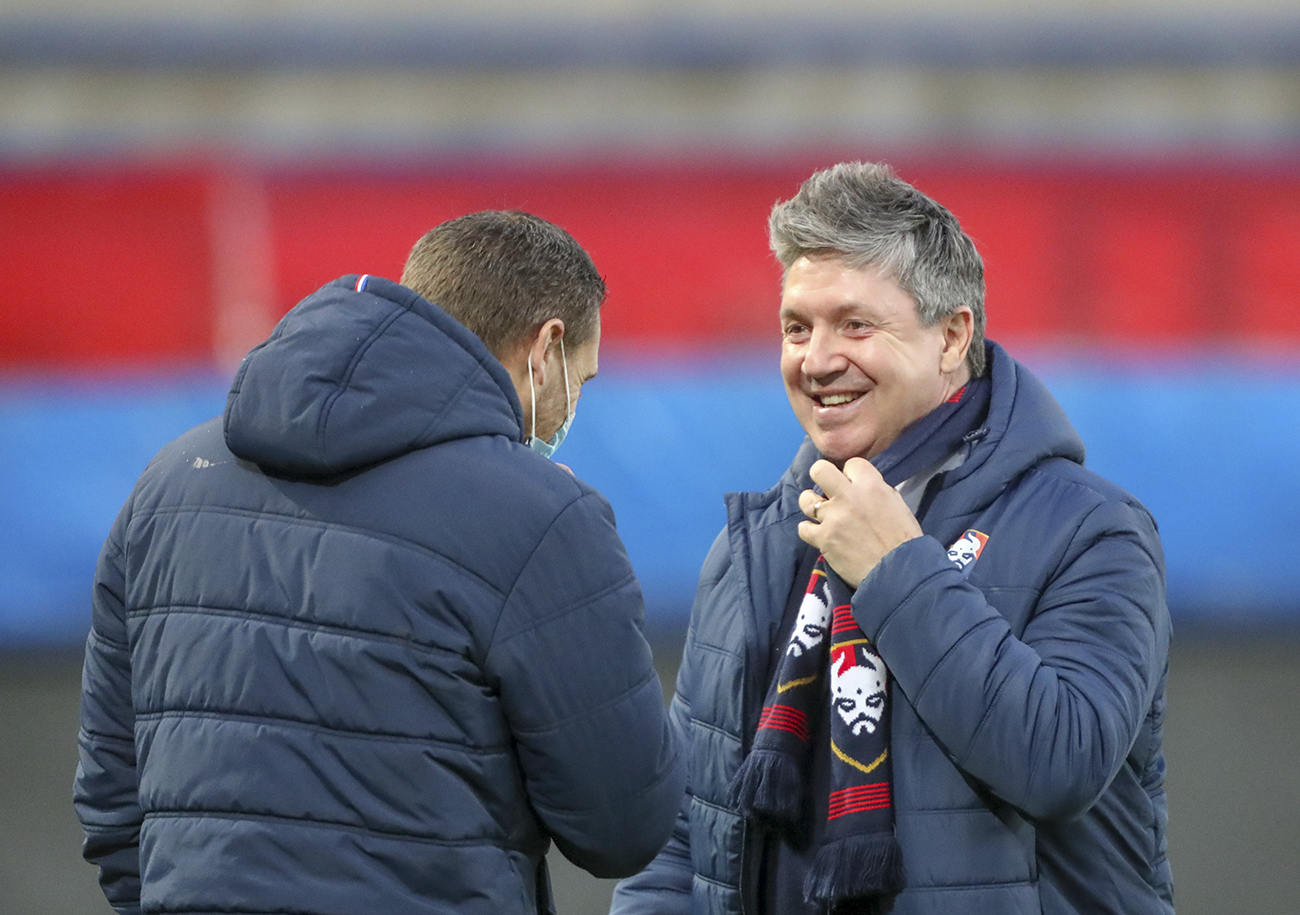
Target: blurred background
<point>174,177</point>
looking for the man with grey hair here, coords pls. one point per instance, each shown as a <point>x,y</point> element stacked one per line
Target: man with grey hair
<point>982,732</point>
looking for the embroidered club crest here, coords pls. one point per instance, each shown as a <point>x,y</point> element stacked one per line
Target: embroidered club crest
<point>966,550</point>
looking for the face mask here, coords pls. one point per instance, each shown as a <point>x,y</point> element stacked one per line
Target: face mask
<point>548,448</point>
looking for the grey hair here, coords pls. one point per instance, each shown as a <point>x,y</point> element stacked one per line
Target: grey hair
<point>865,214</point>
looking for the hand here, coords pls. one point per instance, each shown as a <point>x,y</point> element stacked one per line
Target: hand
<point>858,520</point>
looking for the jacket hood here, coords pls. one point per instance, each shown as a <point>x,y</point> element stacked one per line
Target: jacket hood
<point>1025,425</point>
<point>360,371</point>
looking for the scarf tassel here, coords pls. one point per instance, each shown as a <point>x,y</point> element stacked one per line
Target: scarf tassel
<point>769,785</point>
<point>855,866</point>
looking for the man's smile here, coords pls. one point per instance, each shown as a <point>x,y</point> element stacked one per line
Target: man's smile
<point>836,400</point>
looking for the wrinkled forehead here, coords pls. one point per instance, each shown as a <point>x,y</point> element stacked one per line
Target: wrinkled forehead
<point>873,266</point>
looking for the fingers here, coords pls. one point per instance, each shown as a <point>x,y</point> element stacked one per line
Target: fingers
<point>811,534</point>
<point>828,477</point>
<point>856,468</point>
<point>810,502</point>
<point>857,521</point>
<point>834,481</point>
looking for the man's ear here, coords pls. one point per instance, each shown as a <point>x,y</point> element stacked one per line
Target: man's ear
<point>958,330</point>
<point>548,335</point>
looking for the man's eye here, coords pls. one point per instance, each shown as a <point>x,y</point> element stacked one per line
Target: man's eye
<point>795,330</point>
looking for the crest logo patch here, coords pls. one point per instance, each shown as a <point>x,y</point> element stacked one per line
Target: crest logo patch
<point>967,549</point>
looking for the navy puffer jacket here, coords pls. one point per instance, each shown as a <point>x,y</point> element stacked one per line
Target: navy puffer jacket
<point>356,649</point>
<point>1028,694</point>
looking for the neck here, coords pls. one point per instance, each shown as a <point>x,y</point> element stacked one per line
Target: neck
<point>933,437</point>
<point>516,364</point>
<point>955,382</point>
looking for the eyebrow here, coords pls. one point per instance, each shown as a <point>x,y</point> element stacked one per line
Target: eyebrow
<point>838,312</point>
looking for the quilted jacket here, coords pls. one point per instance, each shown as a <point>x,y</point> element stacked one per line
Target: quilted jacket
<point>1028,686</point>
<point>356,649</point>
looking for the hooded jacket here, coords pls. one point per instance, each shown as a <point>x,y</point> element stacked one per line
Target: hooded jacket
<point>355,648</point>
<point>1028,686</point>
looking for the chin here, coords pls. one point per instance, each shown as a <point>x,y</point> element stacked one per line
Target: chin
<point>838,451</point>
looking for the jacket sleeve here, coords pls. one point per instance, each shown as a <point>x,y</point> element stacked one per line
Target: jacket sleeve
<point>104,792</point>
<point>584,704</point>
<point>1045,721</point>
<point>664,887</point>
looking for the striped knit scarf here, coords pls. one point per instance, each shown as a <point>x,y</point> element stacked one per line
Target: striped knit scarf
<point>829,666</point>
<point>860,855</point>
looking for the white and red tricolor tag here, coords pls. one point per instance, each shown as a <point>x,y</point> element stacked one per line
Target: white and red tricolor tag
<point>966,549</point>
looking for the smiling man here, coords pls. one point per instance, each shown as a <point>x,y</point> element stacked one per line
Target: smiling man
<point>981,731</point>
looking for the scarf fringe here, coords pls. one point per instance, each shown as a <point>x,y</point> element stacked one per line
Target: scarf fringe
<point>769,785</point>
<point>855,866</point>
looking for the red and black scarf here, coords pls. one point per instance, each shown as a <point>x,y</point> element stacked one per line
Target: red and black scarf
<point>829,667</point>
<point>828,655</point>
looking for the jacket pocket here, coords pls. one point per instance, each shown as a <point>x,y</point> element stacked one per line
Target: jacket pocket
<point>967,847</point>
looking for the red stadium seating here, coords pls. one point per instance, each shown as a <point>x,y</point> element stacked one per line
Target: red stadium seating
<point>162,263</point>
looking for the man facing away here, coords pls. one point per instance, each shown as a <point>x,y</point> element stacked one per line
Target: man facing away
<point>356,647</point>
<point>925,673</point>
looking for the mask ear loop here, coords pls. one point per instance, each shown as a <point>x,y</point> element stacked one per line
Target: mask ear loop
<point>532,396</point>
<point>568,401</point>
<point>532,392</point>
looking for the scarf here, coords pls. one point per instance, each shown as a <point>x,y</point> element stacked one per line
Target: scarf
<point>829,667</point>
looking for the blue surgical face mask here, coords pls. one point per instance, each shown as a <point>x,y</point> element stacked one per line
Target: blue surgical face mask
<point>548,448</point>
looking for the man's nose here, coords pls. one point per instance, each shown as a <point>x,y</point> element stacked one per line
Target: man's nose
<point>824,355</point>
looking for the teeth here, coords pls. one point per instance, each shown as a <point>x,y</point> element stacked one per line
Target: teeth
<point>834,400</point>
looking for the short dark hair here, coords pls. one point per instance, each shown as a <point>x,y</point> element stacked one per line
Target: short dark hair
<point>503,274</point>
<point>869,217</point>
